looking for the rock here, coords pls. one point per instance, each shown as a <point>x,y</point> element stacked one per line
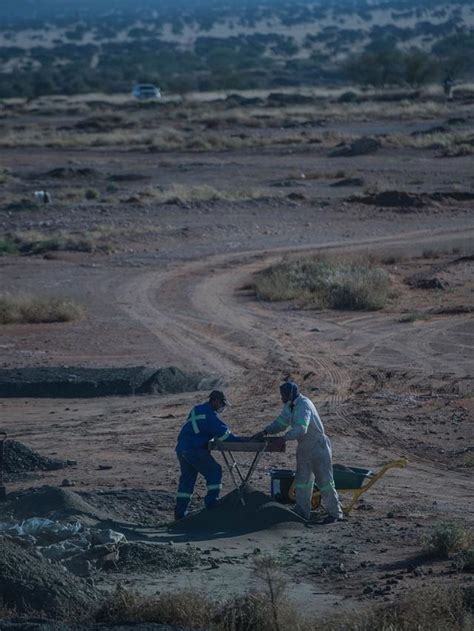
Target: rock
<point>368,590</point>
<point>296,197</point>
<point>67,482</point>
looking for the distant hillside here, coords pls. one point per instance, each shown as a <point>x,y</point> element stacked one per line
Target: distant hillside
<point>49,46</point>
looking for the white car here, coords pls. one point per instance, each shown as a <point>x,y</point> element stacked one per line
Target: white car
<point>146,91</point>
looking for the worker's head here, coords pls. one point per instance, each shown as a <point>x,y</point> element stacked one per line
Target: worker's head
<point>218,400</point>
<point>289,391</point>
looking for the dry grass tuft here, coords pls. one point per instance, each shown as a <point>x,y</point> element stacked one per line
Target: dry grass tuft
<point>188,609</point>
<point>428,609</point>
<point>179,194</point>
<point>34,242</point>
<point>29,309</point>
<point>450,144</point>
<point>325,283</point>
<point>435,608</point>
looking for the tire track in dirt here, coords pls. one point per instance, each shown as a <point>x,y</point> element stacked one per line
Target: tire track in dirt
<point>203,323</point>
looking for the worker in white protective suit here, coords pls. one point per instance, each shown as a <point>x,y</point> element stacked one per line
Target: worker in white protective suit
<point>313,454</point>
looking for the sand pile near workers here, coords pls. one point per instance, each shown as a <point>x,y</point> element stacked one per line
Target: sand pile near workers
<point>230,516</point>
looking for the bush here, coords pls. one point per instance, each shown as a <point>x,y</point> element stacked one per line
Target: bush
<point>33,242</point>
<point>428,609</point>
<point>7,246</point>
<point>464,561</point>
<point>445,537</point>
<point>26,309</point>
<point>325,283</point>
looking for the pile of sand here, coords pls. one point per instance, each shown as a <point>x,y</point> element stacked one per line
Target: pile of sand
<point>230,516</point>
<point>48,501</point>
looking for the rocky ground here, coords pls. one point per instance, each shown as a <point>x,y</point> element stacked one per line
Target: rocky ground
<point>169,282</point>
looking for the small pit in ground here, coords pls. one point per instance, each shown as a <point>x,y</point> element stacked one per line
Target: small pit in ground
<point>74,382</point>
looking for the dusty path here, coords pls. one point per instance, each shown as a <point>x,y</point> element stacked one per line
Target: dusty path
<point>204,319</point>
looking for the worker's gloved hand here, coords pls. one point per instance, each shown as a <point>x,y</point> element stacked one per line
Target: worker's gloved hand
<point>258,437</point>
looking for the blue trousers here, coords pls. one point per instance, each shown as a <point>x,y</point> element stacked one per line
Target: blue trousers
<point>191,463</point>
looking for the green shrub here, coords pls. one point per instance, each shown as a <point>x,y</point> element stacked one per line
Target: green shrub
<point>325,283</point>
<point>7,246</point>
<point>91,193</point>
<point>444,538</point>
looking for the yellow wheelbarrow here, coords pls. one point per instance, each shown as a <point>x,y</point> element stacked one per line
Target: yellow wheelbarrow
<point>353,480</point>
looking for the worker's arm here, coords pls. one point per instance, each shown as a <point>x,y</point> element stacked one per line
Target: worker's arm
<point>300,425</point>
<point>221,432</point>
<point>281,423</point>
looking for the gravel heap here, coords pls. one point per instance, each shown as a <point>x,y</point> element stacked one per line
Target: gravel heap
<point>138,556</point>
<point>28,583</point>
<point>20,459</point>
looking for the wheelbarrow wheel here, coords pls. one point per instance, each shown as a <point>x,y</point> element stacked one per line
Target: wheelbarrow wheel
<point>315,498</point>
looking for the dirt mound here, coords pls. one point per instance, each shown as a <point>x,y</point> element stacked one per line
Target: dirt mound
<point>19,458</point>
<point>404,200</point>
<point>64,382</point>
<point>49,501</point>
<point>169,381</point>
<point>102,123</point>
<point>349,181</point>
<point>49,625</point>
<point>144,557</point>
<point>71,172</point>
<point>29,583</point>
<point>359,147</point>
<point>277,99</point>
<point>133,505</point>
<point>230,516</point>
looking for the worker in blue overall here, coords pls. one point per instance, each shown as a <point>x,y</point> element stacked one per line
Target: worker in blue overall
<point>202,425</point>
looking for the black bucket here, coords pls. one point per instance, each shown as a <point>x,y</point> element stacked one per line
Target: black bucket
<point>281,481</point>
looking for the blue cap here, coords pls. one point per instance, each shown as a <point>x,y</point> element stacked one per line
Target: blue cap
<point>289,389</point>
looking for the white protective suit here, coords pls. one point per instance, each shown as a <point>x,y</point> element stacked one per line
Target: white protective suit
<point>313,454</point>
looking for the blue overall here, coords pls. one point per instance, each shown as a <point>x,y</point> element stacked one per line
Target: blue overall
<point>202,425</point>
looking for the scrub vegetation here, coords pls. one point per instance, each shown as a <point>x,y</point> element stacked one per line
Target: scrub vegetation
<point>34,242</point>
<point>433,609</point>
<point>30,309</point>
<point>325,283</point>
<point>211,45</point>
<point>445,538</point>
